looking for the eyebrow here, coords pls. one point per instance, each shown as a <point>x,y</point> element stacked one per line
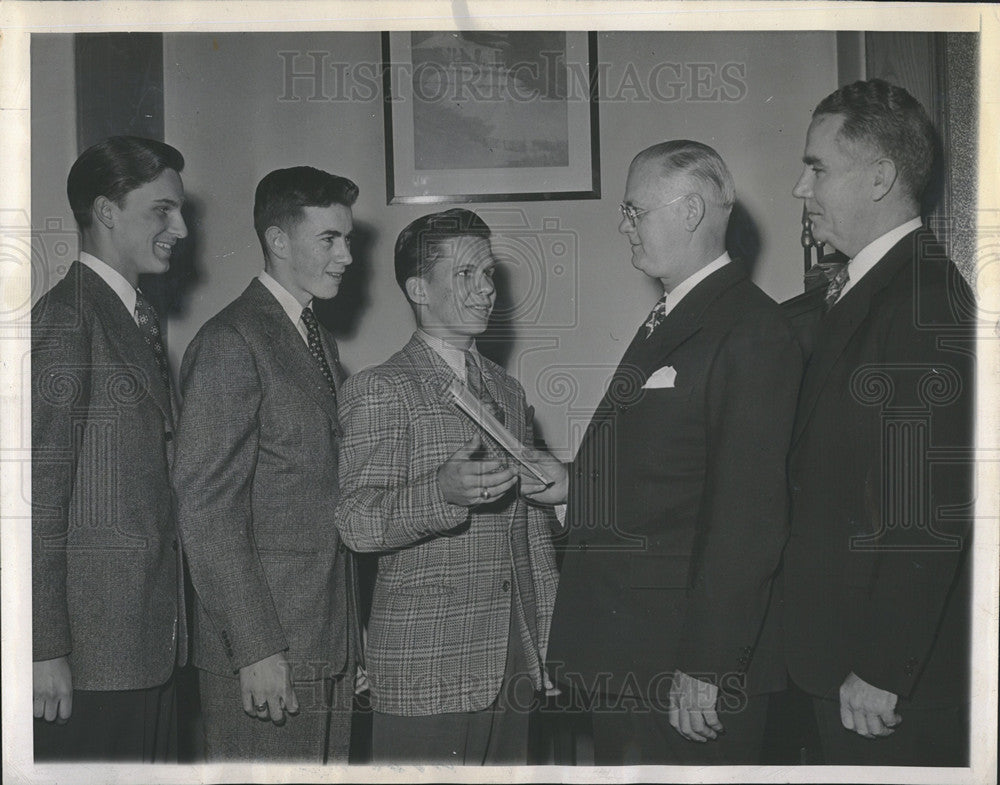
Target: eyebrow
<point>811,159</point>
<point>169,202</point>
<point>333,233</point>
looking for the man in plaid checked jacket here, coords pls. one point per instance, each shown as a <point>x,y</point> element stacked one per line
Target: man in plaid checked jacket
<point>466,575</point>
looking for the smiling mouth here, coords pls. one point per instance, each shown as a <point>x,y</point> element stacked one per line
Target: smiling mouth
<point>167,247</point>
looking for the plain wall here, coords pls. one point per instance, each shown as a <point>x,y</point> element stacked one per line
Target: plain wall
<point>574,298</point>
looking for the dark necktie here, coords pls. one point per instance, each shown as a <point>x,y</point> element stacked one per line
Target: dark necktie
<point>316,348</point>
<point>836,286</point>
<point>657,315</point>
<point>476,382</point>
<point>149,326</point>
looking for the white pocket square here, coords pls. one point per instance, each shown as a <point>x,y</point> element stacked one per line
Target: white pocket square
<point>662,378</point>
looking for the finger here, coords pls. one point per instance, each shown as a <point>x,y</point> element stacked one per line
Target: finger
<point>51,709</point>
<point>876,726</point>
<point>292,703</point>
<point>38,708</point>
<point>861,724</point>
<point>846,716</point>
<point>889,718</point>
<point>248,703</point>
<point>687,731</point>
<point>65,707</point>
<point>494,476</point>
<point>673,715</point>
<point>713,721</point>
<point>699,728</point>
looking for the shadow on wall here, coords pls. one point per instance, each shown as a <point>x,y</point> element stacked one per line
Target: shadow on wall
<point>743,238</point>
<point>342,314</point>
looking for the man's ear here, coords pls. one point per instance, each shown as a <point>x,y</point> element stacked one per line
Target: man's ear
<point>277,242</point>
<point>416,290</point>
<point>885,178</point>
<point>694,206</point>
<point>103,209</point>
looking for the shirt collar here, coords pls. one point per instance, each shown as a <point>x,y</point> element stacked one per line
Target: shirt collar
<point>872,253</point>
<point>452,355</point>
<point>113,278</point>
<point>285,299</point>
<point>679,292</point>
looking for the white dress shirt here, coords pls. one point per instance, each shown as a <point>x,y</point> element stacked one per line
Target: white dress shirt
<point>452,355</point>
<point>681,290</point>
<point>114,279</point>
<point>872,253</point>
<point>288,303</point>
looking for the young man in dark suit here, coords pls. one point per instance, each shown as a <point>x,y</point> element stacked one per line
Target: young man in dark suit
<point>677,502</point>
<point>876,572</point>
<point>275,635</point>
<point>107,589</point>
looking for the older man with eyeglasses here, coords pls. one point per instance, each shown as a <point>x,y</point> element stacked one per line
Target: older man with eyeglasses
<point>677,501</point>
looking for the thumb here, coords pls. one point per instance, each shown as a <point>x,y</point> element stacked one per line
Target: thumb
<point>466,450</point>
<point>292,704</point>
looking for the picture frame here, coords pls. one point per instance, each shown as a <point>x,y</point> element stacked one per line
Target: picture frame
<point>490,116</point>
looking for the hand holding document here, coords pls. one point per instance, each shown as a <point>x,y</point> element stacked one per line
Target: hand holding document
<point>481,416</point>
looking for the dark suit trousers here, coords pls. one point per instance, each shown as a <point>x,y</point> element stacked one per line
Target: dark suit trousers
<point>639,735</point>
<point>925,737</point>
<point>319,733</point>
<point>497,735</point>
<point>120,725</point>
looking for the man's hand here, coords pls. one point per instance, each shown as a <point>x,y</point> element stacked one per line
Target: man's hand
<point>552,468</point>
<point>52,685</point>
<point>466,482</point>
<point>267,690</point>
<point>361,683</point>
<point>692,708</point>
<point>867,710</point>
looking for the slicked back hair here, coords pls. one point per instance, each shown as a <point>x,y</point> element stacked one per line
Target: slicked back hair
<point>115,167</point>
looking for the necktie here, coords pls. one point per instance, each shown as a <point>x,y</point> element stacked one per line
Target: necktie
<point>657,315</point>
<point>836,286</point>
<point>476,382</point>
<point>316,348</point>
<point>149,326</point>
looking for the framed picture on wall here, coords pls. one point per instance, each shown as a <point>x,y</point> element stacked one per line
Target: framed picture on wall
<point>490,116</point>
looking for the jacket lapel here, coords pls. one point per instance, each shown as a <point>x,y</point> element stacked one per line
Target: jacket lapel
<point>842,322</point>
<point>126,337</point>
<point>290,350</point>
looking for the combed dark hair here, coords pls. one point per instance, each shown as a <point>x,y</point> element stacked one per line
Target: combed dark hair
<point>283,193</point>
<point>418,246</point>
<point>695,160</point>
<point>889,120</point>
<point>115,167</point>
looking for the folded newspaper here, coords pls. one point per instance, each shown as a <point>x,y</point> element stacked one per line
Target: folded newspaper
<point>481,416</point>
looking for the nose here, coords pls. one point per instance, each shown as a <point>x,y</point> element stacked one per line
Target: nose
<point>486,285</point>
<point>177,226</point>
<point>343,254</point>
<point>803,188</point>
<point>625,226</point>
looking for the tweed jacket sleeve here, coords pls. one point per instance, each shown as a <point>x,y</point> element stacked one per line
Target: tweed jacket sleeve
<point>385,502</point>
<point>217,452</point>
<point>54,363</point>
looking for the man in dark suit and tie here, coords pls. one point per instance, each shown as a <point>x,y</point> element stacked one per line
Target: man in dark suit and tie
<point>275,636</point>
<point>876,571</point>
<point>107,590</point>
<point>677,501</point>
<point>466,572</point>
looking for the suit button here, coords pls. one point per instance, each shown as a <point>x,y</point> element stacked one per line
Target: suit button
<point>584,545</point>
<point>505,586</point>
<point>595,474</point>
<point>342,548</point>
<point>168,436</point>
<point>174,544</point>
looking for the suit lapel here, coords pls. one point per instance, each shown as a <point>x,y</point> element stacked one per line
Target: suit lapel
<point>842,322</point>
<point>289,349</point>
<point>127,340</point>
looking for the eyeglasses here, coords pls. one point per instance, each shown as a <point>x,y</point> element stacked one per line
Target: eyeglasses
<point>632,214</point>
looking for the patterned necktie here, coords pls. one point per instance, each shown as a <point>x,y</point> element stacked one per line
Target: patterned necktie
<point>149,326</point>
<point>836,286</point>
<point>316,348</point>
<point>476,382</point>
<point>657,315</point>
